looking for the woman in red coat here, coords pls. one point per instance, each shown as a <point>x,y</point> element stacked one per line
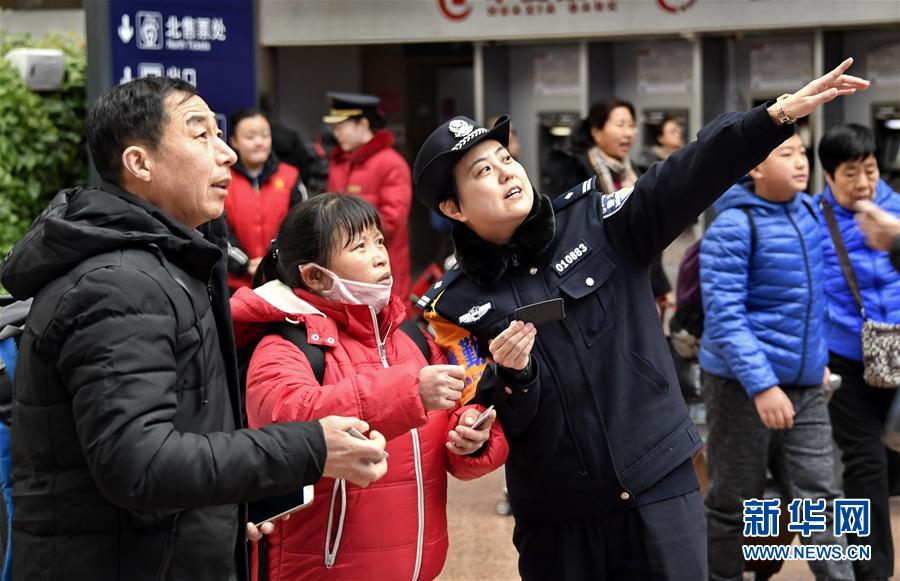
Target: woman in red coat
<point>365,164</point>
<point>261,192</point>
<point>332,275</point>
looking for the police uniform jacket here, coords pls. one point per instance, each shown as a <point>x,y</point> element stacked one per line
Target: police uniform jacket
<point>597,421</point>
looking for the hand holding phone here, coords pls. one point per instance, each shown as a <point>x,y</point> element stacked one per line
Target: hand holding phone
<point>482,418</point>
<point>277,507</point>
<point>359,436</point>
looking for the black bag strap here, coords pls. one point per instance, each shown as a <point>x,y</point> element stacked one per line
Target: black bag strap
<point>418,336</point>
<point>843,257</point>
<point>750,219</point>
<point>296,334</point>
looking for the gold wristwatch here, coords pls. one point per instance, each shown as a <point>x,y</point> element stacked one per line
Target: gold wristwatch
<point>783,117</point>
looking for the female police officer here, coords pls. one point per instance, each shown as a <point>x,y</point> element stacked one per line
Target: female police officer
<point>599,473</point>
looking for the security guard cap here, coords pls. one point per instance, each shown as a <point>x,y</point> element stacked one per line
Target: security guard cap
<point>347,105</point>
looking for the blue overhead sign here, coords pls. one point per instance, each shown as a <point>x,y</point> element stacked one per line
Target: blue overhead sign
<point>208,43</point>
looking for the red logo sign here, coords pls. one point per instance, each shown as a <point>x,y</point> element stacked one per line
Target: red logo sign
<point>455,9</point>
<point>675,6</point>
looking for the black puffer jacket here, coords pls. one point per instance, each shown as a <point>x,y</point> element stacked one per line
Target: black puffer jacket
<point>128,457</point>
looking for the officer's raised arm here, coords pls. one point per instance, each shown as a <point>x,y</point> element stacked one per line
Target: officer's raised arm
<point>668,198</point>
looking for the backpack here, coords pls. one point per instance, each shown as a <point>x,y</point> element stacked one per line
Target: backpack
<point>686,326</point>
<point>12,320</point>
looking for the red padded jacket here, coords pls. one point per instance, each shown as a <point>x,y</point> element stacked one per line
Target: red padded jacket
<point>397,527</point>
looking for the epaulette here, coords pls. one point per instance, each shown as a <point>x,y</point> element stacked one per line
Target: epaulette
<point>575,193</point>
<point>443,283</point>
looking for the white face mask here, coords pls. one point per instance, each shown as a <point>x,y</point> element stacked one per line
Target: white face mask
<point>353,292</point>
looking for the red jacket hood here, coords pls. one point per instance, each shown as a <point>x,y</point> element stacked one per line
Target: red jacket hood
<point>381,140</point>
<point>252,309</point>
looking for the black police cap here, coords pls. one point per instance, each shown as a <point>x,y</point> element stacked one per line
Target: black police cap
<point>444,148</point>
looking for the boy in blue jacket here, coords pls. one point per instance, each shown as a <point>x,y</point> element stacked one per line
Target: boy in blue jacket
<point>764,357</point>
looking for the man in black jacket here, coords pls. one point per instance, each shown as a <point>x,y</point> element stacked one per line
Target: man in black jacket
<point>599,473</point>
<point>130,460</point>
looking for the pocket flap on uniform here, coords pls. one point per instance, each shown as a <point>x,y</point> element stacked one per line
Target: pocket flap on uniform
<point>589,277</point>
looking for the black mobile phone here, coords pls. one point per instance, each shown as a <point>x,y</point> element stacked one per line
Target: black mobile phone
<point>276,507</point>
<point>542,312</point>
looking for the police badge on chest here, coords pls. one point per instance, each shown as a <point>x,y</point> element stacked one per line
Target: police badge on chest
<point>476,313</point>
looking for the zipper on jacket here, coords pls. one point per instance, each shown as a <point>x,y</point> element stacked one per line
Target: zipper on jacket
<point>809,293</point>
<point>169,548</point>
<point>204,363</point>
<point>331,555</point>
<point>382,351</point>
<point>420,501</point>
<point>417,460</point>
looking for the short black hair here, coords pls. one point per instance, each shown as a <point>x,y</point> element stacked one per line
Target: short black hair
<point>310,232</point>
<point>246,113</point>
<point>597,117</point>
<point>848,142</point>
<point>129,114</point>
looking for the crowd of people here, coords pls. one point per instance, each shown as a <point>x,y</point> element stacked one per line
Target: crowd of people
<point>208,333</point>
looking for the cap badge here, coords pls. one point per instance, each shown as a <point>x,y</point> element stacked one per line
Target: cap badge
<point>460,128</point>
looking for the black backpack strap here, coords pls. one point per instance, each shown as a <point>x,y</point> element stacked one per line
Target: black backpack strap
<point>752,230</point>
<point>296,334</point>
<point>438,287</point>
<point>418,336</point>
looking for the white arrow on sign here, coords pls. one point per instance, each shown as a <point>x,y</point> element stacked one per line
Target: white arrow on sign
<point>126,31</point>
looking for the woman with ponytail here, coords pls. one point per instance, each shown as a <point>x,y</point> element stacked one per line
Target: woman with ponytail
<point>328,272</point>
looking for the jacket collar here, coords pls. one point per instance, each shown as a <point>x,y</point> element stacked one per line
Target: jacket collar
<point>275,301</point>
<point>81,223</point>
<point>187,247</point>
<point>486,262</point>
<point>381,140</point>
<point>268,170</point>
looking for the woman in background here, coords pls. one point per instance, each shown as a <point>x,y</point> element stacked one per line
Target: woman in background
<point>261,192</point>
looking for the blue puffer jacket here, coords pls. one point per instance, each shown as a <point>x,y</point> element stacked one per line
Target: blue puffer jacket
<point>879,283</point>
<point>764,313</point>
